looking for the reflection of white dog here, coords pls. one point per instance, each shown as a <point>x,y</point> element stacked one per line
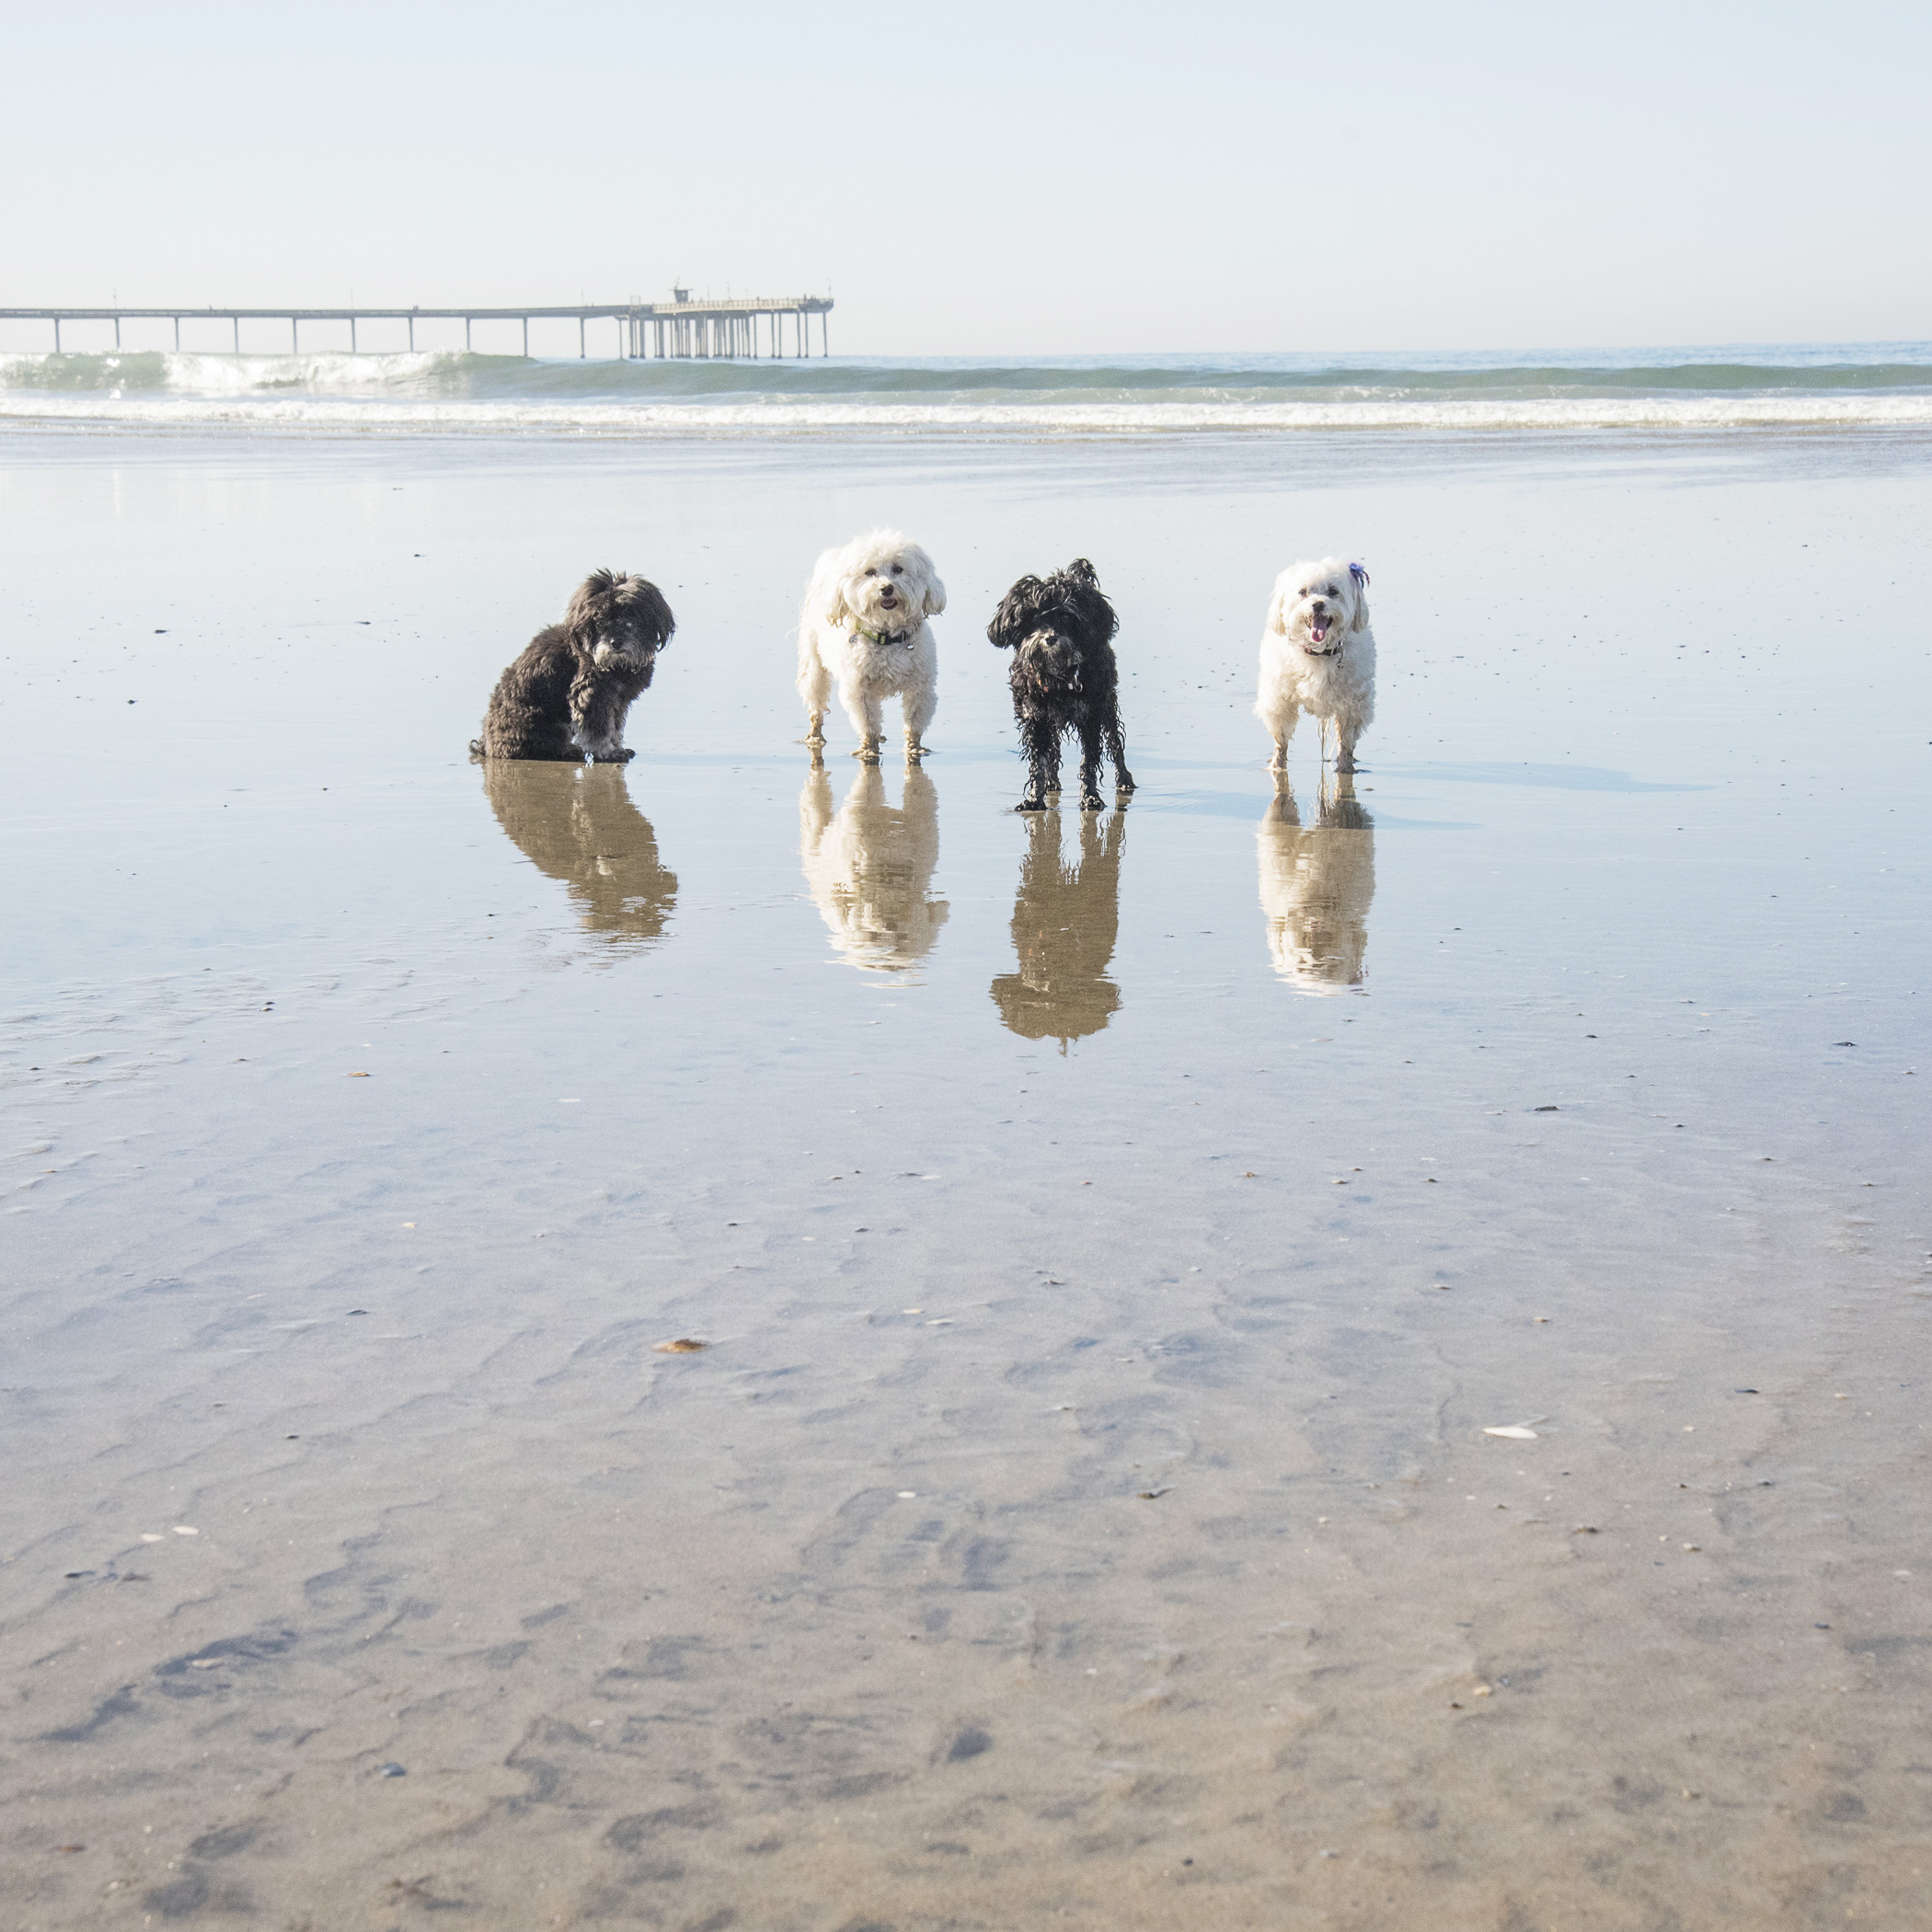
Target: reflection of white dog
<point>1316,883</point>
<point>1319,656</point>
<point>863,628</point>
<point>870,869</point>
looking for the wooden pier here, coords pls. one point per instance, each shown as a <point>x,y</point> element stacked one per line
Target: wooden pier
<point>747,327</point>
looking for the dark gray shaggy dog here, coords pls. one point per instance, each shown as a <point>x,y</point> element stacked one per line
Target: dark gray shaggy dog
<point>565,697</point>
<point>1060,630</point>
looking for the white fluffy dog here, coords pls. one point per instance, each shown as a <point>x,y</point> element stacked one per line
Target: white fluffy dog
<point>863,628</point>
<point>1319,656</point>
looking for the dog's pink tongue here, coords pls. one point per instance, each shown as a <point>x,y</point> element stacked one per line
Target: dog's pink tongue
<point>1320,632</point>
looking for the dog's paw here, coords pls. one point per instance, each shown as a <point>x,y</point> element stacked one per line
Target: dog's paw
<point>1124,783</point>
<point>1030,805</point>
<point>1090,801</point>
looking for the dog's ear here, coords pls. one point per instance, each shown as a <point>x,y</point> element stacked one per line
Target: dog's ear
<point>590,602</point>
<point>1085,594</point>
<point>653,613</point>
<point>935,590</point>
<point>999,633</point>
<point>833,608</point>
<point>1360,578</point>
<point>588,605</point>
<point>1013,621</point>
<point>1278,606</point>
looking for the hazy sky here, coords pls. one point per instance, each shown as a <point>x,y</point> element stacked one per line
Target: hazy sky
<point>1003,178</point>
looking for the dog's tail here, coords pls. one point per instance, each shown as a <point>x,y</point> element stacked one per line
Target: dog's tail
<point>810,670</point>
<point>822,604</point>
<point>813,680</point>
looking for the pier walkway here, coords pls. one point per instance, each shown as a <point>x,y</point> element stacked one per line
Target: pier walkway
<point>675,329</point>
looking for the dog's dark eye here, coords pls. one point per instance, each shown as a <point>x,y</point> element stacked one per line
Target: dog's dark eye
<point>871,573</point>
<point>898,569</point>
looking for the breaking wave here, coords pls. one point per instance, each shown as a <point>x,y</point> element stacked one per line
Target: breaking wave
<point>1829,386</point>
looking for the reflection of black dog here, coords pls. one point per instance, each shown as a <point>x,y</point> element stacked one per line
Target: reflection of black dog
<point>568,694</point>
<point>1060,629</point>
<point>581,827</point>
<point>1065,920</point>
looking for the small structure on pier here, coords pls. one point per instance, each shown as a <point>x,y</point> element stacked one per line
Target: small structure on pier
<point>750,326</point>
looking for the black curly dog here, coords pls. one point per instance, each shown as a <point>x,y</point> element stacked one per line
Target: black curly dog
<point>1060,630</point>
<point>567,694</point>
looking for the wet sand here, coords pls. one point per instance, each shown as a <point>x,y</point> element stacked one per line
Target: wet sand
<point>1112,1237</point>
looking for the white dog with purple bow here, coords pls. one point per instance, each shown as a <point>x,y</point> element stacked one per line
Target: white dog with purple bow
<point>1319,656</point>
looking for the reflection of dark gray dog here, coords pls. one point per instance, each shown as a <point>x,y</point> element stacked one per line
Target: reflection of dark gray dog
<point>1060,630</point>
<point>1065,920</point>
<point>581,827</point>
<point>565,697</point>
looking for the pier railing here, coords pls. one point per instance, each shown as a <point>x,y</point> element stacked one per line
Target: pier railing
<point>678,329</point>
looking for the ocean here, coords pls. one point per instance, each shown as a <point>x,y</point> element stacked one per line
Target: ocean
<point>1713,387</point>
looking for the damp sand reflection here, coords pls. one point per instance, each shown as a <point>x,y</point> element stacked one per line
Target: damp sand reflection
<point>1066,920</point>
<point>1316,883</point>
<point>868,866</point>
<point>576,824</point>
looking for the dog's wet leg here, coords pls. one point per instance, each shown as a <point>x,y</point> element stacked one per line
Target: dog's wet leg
<point>1281,728</point>
<point>918,707</point>
<point>1040,742</point>
<point>864,710</point>
<point>1117,751</point>
<point>1090,766</point>
<point>814,687</point>
<point>597,713</point>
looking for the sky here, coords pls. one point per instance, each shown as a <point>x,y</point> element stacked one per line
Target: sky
<point>1002,178</point>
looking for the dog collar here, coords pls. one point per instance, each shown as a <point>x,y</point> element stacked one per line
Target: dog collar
<point>882,636</point>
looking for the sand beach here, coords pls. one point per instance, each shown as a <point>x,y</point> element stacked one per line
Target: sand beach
<point>1116,1241</point>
